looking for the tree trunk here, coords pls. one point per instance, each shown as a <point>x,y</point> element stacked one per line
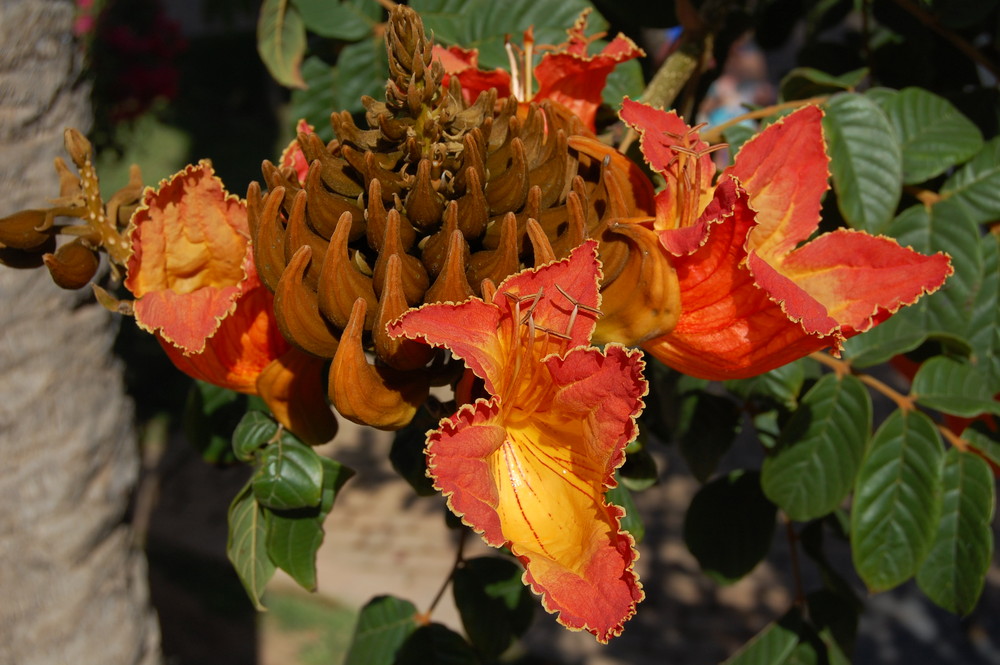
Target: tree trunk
<point>74,585</point>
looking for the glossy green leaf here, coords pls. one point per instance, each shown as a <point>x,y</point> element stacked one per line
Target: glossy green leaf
<point>771,646</point>
<point>383,626</point>
<point>954,572</point>
<point>314,102</point>
<point>211,414</point>
<point>954,387</point>
<point>983,441</point>
<point>289,476</point>
<point>805,82</point>
<point>934,135</point>
<point>868,182</point>
<point>709,425</point>
<point>351,20</point>
<point>781,386</point>
<point>946,227</point>
<point>897,496</point>
<point>484,24</point>
<point>362,69</point>
<point>820,449</point>
<point>281,41</point>
<point>984,328</point>
<point>294,536</point>
<point>729,526</point>
<point>976,186</point>
<point>816,648</point>
<point>625,80</point>
<point>246,544</point>
<point>253,432</point>
<point>632,521</point>
<point>435,644</point>
<point>904,331</point>
<point>736,136</point>
<point>494,603</point>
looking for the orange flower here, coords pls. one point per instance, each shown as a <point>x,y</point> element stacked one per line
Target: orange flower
<point>196,287</point>
<point>567,74</point>
<point>752,298</point>
<point>529,465</point>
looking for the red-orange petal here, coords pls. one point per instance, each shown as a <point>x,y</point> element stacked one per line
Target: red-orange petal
<point>247,341</point>
<point>189,245</point>
<point>528,487</point>
<point>858,279</point>
<point>577,80</point>
<point>729,326</point>
<point>784,170</point>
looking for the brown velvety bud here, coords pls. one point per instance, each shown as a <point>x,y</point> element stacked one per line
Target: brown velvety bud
<point>21,230</point>
<point>72,265</point>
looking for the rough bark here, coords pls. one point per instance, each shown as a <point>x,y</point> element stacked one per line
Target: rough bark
<point>74,586</point>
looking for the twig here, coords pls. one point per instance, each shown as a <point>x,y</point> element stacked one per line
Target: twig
<point>904,402</point>
<point>793,551</point>
<point>956,40</point>
<point>714,135</point>
<point>426,616</point>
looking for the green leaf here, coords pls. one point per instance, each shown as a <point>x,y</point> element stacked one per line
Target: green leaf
<point>435,644</point>
<point>954,572</point>
<point>383,626</point>
<point>632,521</point>
<point>281,41</point>
<point>494,603</point>
<point>211,414</point>
<point>294,536</point>
<point>729,526</point>
<point>290,476</point>
<point>904,331</point>
<point>253,432</point>
<point>362,69</point>
<point>484,24</point>
<point>945,227</point>
<point>736,136</point>
<point>771,646</point>
<point>709,425</point>
<point>868,182</point>
<point>315,101</point>
<point>976,186</point>
<point>983,441</point>
<point>805,82</point>
<point>820,449</point>
<point>897,496</point>
<point>954,387</point>
<point>624,80</point>
<point>246,544</point>
<point>350,21</point>
<point>934,134</point>
<point>984,327</point>
<point>780,386</point>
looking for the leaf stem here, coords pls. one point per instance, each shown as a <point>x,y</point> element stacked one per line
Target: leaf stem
<point>459,550</point>
<point>714,135</point>
<point>793,552</point>
<point>904,402</point>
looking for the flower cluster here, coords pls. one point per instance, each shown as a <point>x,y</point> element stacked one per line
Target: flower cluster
<point>478,233</point>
